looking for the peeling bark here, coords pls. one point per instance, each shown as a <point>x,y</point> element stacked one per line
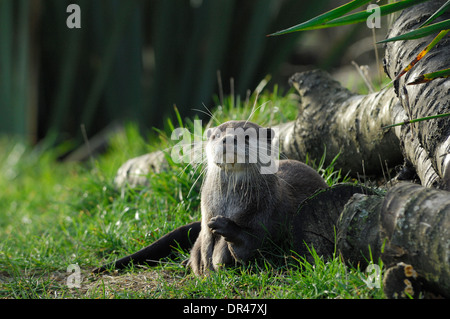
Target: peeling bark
<point>429,150</point>
<point>411,222</point>
<point>358,230</point>
<point>134,172</point>
<point>416,225</point>
<point>332,118</point>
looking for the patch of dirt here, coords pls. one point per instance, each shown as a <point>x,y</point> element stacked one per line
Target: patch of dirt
<point>56,284</point>
<point>122,284</point>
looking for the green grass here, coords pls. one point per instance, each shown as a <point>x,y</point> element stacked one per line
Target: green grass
<point>53,214</point>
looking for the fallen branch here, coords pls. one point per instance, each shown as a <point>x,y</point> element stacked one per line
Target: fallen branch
<point>410,226</point>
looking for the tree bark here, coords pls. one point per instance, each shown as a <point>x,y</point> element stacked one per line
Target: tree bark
<point>425,144</point>
<point>329,114</point>
<point>334,120</point>
<point>409,226</point>
<point>134,172</point>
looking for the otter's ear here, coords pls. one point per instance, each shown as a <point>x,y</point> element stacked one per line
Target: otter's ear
<point>208,132</point>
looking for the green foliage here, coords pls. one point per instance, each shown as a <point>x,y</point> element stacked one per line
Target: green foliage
<point>335,17</point>
<point>445,7</point>
<point>421,32</point>
<point>131,60</point>
<point>363,15</point>
<point>14,66</point>
<point>431,76</point>
<point>329,172</point>
<point>324,18</point>
<point>296,279</point>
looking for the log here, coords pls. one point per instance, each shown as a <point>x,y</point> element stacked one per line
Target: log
<point>359,239</point>
<point>426,144</point>
<point>134,172</point>
<point>416,227</point>
<point>409,226</point>
<point>332,118</point>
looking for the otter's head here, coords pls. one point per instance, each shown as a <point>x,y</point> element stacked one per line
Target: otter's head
<point>239,145</point>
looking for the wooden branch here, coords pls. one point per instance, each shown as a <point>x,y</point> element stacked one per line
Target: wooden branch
<point>332,118</point>
<point>409,226</point>
<point>426,144</point>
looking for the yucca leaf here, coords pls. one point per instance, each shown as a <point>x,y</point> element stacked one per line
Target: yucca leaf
<point>423,53</point>
<point>431,76</point>
<point>7,60</point>
<point>363,15</point>
<point>323,18</point>
<point>110,51</point>
<point>421,32</point>
<point>438,12</point>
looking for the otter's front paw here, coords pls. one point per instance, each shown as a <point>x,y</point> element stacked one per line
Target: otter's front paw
<point>225,227</point>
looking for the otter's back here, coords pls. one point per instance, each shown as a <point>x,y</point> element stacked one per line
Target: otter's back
<point>301,180</point>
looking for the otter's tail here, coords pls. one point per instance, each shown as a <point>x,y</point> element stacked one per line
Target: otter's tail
<point>182,237</point>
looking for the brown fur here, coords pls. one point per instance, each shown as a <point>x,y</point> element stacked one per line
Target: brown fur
<point>242,208</point>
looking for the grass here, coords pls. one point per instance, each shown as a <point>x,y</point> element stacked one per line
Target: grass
<point>54,214</point>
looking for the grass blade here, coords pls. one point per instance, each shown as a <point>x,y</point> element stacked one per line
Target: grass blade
<point>323,18</point>
<point>417,120</point>
<point>430,76</point>
<point>421,32</point>
<point>423,53</point>
<point>254,47</point>
<point>122,18</point>
<point>363,15</point>
<point>438,12</point>
<point>6,71</point>
<point>21,71</point>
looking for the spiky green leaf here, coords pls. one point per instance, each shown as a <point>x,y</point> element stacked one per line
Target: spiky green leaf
<point>431,76</point>
<point>441,10</point>
<point>421,32</point>
<point>418,120</point>
<point>325,17</point>
<point>364,15</point>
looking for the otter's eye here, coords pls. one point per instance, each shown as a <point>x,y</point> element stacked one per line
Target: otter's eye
<point>217,135</point>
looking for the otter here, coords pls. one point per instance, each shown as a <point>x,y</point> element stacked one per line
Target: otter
<point>248,199</point>
<point>248,196</point>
